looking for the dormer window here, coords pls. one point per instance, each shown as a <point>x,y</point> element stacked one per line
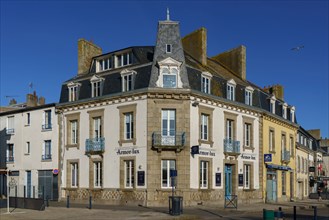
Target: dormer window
<point>104,64</point>
<point>168,48</point>
<point>248,95</point>
<point>292,114</point>
<point>124,59</point>
<point>74,89</point>
<point>205,82</point>
<point>169,76</point>
<point>128,80</point>
<point>284,110</point>
<point>96,86</point>
<point>272,104</point>
<point>230,90</point>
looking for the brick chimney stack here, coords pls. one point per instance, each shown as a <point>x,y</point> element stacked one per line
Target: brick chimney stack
<point>195,44</point>
<point>32,99</point>
<point>86,51</point>
<point>276,90</point>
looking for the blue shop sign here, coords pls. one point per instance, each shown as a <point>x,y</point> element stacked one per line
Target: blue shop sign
<point>267,158</point>
<point>278,167</point>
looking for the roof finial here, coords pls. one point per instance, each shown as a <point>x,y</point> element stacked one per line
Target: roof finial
<point>168,16</point>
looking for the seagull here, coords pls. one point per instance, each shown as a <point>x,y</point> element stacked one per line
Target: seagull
<point>298,48</point>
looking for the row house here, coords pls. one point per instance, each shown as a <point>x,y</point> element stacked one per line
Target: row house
<point>132,116</point>
<point>29,144</point>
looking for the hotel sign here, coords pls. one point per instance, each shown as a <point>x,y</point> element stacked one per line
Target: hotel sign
<point>267,158</point>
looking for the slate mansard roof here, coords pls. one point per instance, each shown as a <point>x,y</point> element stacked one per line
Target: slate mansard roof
<point>145,58</point>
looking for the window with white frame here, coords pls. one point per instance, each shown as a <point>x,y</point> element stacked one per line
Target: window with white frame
<point>284,110</point>
<point>96,86</point>
<point>129,174</point>
<point>204,127</point>
<point>272,104</point>
<point>129,125</point>
<point>104,64</point>
<point>27,147</point>
<point>74,174</point>
<point>271,140</point>
<point>10,125</point>
<point>46,120</point>
<point>98,175</point>
<point>283,142</point>
<point>168,48</point>
<point>230,92</point>
<point>292,114</point>
<point>230,129</point>
<point>124,59</point>
<point>166,167</point>
<point>97,127</point>
<point>248,95</point>
<point>74,89</point>
<point>46,150</point>
<point>74,131</point>
<point>127,78</point>
<point>206,82</point>
<point>10,153</point>
<point>247,135</point>
<point>169,76</point>
<point>204,174</point>
<point>168,130</point>
<point>247,176</point>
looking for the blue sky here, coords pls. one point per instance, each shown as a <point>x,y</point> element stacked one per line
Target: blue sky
<point>39,42</point>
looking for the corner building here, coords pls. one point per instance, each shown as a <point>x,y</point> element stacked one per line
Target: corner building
<point>131,116</point>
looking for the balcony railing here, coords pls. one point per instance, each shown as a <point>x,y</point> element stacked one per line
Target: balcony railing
<point>10,159</point>
<point>10,130</point>
<point>95,145</point>
<point>46,127</point>
<point>231,146</point>
<point>46,157</point>
<point>173,142</point>
<point>285,156</point>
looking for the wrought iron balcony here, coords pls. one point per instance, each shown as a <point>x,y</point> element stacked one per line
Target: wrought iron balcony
<point>10,159</point>
<point>285,156</point>
<point>231,146</point>
<point>46,157</point>
<point>174,142</point>
<point>46,127</point>
<point>10,130</point>
<point>95,145</point>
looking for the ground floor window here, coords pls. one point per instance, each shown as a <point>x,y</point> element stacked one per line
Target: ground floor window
<point>129,174</point>
<point>166,166</point>
<point>204,174</point>
<point>98,176</point>
<point>247,175</point>
<point>74,174</point>
<point>284,183</point>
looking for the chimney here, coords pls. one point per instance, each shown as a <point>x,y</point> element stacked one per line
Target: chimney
<point>316,133</point>
<point>86,51</point>
<point>12,102</point>
<point>42,100</point>
<point>234,60</point>
<point>195,44</point>
<point>32,99</point>
<point>276,90</point>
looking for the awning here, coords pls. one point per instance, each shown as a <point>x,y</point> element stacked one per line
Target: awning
<point>278,167</point>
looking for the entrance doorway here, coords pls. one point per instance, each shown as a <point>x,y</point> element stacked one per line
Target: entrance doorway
<point>271,186</point>
<point>228,180</point>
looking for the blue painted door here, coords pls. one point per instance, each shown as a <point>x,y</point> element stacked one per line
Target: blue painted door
<point>28,184</point>
<point>271,187</point>
<point>228,181</point>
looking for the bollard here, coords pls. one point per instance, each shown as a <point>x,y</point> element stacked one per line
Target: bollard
<point>90,199</point>
<point>68,202</point>
<point>295,213</point>
<point>315,212</point>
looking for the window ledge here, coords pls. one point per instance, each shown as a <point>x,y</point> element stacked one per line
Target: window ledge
<point>46,160</point>
<point>122,141</point>
<point>249,190</point>
<point>72,146</point>
<point>27,154</point>
<point>249,148</point>
<point>44,130</point>
<point>272,151</point>
<point>210,142</point>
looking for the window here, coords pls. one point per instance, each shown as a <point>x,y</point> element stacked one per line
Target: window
<point>98,175</point>
<point>247,135</point>
<point>127,78</point>
<point>168,48</point>
<point>230,92</point>
<point>283,183</point>
<point>298,164</point>
<point>291,143</point>
<point>27,148</point>
<point>46,150</point>
<point>248,95</point>
<point>169,77</point>
<point>28,118</point>
<point>284,110</point>
<point>283,142</point>
<point>124,59</point>
<point>292,114</point>
<point>246,174</point>
<point>168,127</point>
<point>96,86</point>
<point>204,127</point>
<point>272,104</point>
<point>97,128</point>
<point>10,125</point>
<point>129,125</point>
<point>230,129</point>
<point>205,84</point>
<point>73,93</point>
<point>104,64</point>
<point>10,153</point>
<point>167,166</point>
<point>46,124</point>
<point>74,131</point>
<point>271,141</point>
<point>74,174</point>
<point>129,174</point>
<point>204,174</point>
